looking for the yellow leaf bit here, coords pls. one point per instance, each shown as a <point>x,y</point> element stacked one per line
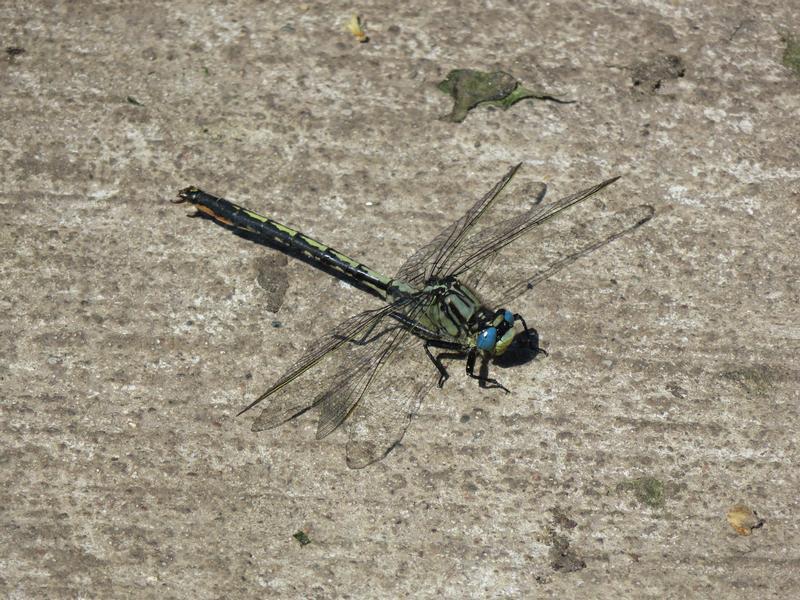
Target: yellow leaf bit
<point>356,26</point>
<point>743,519</point>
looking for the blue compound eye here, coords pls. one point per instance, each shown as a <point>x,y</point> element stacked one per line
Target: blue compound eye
<point>486,339</point>
<point>508,317</point>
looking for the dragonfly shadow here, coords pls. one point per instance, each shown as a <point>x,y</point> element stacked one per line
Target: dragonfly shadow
<point>524,349</point>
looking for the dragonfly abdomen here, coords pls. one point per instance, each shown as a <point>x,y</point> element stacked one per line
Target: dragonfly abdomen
<point>238,217</point>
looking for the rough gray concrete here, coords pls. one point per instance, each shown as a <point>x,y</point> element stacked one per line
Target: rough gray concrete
<point>131,335</point>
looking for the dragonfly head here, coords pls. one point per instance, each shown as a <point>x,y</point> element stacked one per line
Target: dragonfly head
<point>497,337</point>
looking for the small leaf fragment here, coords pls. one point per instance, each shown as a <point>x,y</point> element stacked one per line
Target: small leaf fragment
<point>356,27</point>
<point>469,88</point>
<point>791,54</point>
<point>301,537</point>
<point>743,519</point>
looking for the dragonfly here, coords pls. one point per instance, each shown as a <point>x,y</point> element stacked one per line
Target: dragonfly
<point>447,301</point>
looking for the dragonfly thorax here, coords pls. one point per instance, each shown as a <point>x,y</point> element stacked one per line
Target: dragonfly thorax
<point>456,313</point>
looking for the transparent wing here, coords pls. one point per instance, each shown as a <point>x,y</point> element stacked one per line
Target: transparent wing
<point>375,380</point>
<point>488,243</point>
<point>285,403</point>
<point>360,365</point>
<point>381,418</point>
<point>534,190</point>
<point>562,242</point>
<point>429,259</point>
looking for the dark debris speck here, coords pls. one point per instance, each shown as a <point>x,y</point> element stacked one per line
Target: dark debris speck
<point>301,537</point>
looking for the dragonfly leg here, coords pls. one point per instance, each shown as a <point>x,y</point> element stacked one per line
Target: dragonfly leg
<point>443,374</point>
<point>472,356</point>
<point>533,339</point>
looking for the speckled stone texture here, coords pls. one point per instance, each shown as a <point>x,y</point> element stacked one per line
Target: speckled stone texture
<point>130,335</point>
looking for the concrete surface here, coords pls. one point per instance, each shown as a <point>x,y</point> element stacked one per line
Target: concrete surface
<point>131,335</point>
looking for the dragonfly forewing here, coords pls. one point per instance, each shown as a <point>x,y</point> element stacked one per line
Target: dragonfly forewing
<point>535,192</point>
<point>424,263</point>
<point>486,244</point>
<point>558,249</point>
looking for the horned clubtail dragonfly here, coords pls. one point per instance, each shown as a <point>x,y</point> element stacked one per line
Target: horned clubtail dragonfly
<point>373,369</point>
